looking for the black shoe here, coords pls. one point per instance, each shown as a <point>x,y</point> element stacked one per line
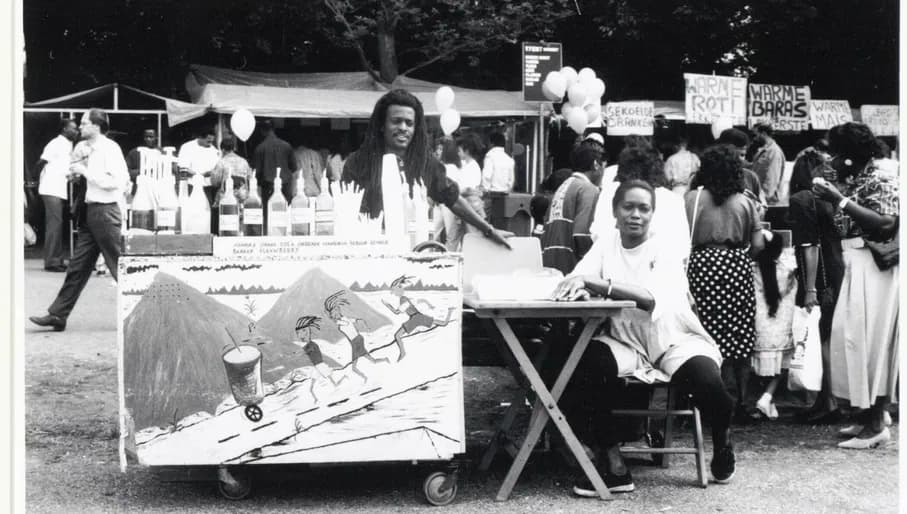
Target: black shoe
<point>59,268</point>
<point>615,483</point>
<point>723,465</point>
<point>56,322</point>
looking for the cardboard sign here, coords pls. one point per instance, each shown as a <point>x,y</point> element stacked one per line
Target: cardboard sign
<point>625,118</point>
<point>825,114</point>
<point>882,119</point>
<point>711,97</point>
<point>785,107</point>
<point>539,59</point>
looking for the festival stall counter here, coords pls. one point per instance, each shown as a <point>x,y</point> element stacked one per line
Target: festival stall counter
<point>236,352</point>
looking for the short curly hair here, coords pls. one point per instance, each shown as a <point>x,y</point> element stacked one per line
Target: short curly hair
<point>641,162</point>
<point>720,171</point>
<point>853,141</point>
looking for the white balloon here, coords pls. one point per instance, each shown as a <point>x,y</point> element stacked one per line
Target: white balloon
<point>242,123</point>
<point>578,94</point>
<point>598,88</point>
<point>450,120</point>
<point>569,73</point>
<point>586,75</point>
<point>556,83</point>
<point>566,107</point>
<point>444,98</point>
<point>576,120</point>
<point>548,93</point>
<point>593,112</point>
<point>721,124</point>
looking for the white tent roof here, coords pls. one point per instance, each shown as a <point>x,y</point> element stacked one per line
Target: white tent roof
<point>326,95</point>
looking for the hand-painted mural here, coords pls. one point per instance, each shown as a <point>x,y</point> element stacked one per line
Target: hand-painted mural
<point>290,361</point>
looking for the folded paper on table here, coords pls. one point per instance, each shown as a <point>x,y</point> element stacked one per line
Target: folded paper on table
<point>519,285</point>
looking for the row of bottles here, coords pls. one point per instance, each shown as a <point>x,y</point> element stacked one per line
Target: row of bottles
<point>167,213</point>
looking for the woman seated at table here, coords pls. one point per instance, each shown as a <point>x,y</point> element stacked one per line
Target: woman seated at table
<point>660,339</point>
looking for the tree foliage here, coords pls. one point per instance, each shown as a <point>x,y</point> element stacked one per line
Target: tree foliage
<point>841,48</point>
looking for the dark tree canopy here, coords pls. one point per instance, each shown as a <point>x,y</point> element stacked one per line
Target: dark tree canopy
<point>845,49</point>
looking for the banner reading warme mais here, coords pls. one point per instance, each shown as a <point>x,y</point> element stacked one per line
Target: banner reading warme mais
<point>882,119</point>
<point>625,118</point>
<point>785,107</point>
<point>825,114</point>
<point>710,97</point>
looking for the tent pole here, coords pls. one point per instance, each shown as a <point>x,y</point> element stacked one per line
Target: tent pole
<point>116,97</point>
<point>160,141</point>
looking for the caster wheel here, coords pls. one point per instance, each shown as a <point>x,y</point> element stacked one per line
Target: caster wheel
<point>239,489</point>
<point>432,489</point>
<point>253,412</point>
<point>656,440</point>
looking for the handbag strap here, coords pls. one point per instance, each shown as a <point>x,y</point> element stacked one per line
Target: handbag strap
<point>695,213</point>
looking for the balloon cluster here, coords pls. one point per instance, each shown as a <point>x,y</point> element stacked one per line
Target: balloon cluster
<point>450,117</point>
<point>242,123</point>
<point>582,91</point>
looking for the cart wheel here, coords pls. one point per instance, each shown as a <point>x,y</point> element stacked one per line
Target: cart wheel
<point>439,488</point>
<point>240,489</point>
<point>253,412</point>
<point>656,440</point>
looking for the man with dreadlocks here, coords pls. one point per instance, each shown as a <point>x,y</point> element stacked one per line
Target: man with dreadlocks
<point>347,327</point>
<point>416,318</point>
<point>397,126</point>
<point>311,349</point>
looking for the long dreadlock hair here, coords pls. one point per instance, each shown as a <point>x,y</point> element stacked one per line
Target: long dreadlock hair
<point>335,301</point>
<point>402,280</point>
<point>364,166</point>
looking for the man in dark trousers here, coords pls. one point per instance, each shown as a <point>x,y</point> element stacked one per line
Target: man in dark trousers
<point>101,162</point>
<point>270,154</point>
<point>53,167</point>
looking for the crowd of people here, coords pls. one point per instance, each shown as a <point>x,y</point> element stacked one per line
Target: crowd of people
<point>683,237</point>
<point>694,224</point>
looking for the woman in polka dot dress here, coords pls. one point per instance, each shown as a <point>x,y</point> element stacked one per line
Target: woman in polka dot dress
<point>724,234</point>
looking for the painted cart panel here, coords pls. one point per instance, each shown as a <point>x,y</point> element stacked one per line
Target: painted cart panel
<point>295,360</point>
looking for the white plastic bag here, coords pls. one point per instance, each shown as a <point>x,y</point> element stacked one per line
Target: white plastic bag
<point>30,237</point>
<point>806,363</point>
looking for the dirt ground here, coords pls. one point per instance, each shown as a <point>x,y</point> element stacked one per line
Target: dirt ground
<point>72,463</point>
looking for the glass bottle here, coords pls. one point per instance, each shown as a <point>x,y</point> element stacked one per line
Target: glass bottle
<point>252,214</point>
<point>196,215</point>
<point>278,221</point>
<point>228,211</point>
<point>324,210</point>
<point>166,215</point>
<point>142,215</point>
<point>301,212</point>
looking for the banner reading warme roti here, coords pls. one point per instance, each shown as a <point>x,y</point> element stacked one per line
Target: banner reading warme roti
<point>625,118</point>
<point>785,107</point>
<point>710,97</point>
<point>882,119</point>
<point>825,114</point>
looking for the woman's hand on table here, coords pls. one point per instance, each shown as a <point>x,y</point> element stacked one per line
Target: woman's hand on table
<point>500,237</point>
<point>571,289</point>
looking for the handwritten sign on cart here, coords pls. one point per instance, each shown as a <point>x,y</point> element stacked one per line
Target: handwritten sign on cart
<point>288,247</point>
<point>825,114</point>
<point>625,118</point>
<point>785,107</point>
<point>711,97</point>
<point>882,119</point>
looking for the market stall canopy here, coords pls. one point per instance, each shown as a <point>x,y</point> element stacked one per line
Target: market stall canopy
<point>113,97</point>
<point>326,95</point>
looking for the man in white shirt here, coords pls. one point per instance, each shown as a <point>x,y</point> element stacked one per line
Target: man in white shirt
<point>54,169</point>
<point>200,156</point>
<point>101,162</point>
<point>497,171</point>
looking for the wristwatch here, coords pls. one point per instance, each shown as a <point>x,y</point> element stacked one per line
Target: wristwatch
<point>843,203</point>
<point>488,231</point>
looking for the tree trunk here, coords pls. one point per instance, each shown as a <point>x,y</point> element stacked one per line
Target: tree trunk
<point>387,50</point>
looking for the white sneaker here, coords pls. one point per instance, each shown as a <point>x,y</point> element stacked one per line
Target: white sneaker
<point>764,405</point>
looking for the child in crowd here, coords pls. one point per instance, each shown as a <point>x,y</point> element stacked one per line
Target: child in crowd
<point>775,283</point>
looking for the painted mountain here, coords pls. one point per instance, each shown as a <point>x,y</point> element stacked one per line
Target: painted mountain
<point>306,298</point>
<point>174,338</point>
